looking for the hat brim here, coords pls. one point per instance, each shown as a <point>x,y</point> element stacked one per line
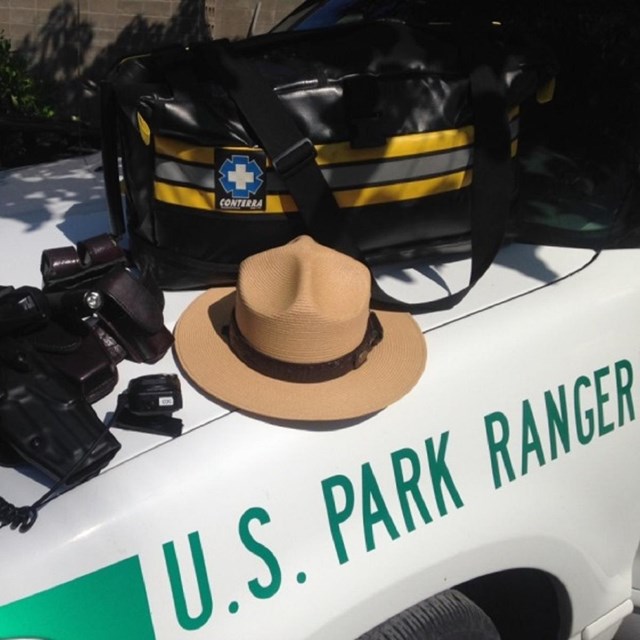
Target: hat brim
<point>392,368</point>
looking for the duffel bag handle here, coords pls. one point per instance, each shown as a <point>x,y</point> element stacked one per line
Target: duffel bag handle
<point>293,156</point>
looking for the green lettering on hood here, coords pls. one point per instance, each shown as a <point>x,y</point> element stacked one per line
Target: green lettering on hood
<point>103,605</point>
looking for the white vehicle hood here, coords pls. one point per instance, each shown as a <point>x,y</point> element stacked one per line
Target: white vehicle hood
<point>58,204</point>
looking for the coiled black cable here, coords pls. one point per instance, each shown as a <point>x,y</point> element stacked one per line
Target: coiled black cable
<point>21,518</point>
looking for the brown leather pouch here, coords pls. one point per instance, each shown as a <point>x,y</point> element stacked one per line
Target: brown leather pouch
<point>128,320</point>
<point>133,316</point>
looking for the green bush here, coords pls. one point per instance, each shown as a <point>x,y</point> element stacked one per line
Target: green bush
<point>20,94</point>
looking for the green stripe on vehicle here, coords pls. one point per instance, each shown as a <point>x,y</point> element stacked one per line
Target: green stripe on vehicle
<point>106,604</point>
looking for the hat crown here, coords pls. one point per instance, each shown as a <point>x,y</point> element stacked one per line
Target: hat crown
<point>303,302</point>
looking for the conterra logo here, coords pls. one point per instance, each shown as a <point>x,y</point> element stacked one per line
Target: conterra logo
<point>240,181</point>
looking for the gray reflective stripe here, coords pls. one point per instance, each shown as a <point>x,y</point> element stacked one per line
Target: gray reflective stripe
<point>183,173</point>
<point>514,127</point>
<point>386,171</point>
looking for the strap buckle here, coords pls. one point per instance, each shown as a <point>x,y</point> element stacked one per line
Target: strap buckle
<point>291,160</point>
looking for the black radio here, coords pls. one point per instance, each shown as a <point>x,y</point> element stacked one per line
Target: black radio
<point>148,403</point>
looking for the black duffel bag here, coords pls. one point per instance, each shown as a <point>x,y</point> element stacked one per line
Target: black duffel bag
<point>364,136</point>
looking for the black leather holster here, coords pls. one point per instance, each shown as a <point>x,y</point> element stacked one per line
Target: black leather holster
<point>45,420</point>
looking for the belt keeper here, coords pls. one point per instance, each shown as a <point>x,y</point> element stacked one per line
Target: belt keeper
<point>100,250</point>
<point>60,262</point>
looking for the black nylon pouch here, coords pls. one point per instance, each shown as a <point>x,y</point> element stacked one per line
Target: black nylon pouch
<point>80,356</point>
<point>390,122</point>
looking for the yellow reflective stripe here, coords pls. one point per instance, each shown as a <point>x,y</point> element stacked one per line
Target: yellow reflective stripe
<point>143,128</point>
<point>546,92</point>
<point>184,150</point>
<point>402,190</point>
<point>412,144</point>
<point>284,203</point>
<point>184,196</point>
<point>339,152</point>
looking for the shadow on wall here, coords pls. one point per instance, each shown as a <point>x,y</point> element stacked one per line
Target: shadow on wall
<point>62,55</point>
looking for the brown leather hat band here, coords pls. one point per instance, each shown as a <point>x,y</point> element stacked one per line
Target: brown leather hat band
<point>297,372</point>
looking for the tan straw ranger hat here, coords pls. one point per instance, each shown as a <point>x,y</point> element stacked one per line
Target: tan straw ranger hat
<point>296,339</point>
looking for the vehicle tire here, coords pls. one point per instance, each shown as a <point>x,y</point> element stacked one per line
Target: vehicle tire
<point>449,615</point>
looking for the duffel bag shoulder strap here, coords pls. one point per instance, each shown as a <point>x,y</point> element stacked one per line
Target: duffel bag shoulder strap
<point>291,153</point>
<point>109,150</point>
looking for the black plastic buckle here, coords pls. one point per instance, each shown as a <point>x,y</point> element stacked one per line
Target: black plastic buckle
<point>291,160</point>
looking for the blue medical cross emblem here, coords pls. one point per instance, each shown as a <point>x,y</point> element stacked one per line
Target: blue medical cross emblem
<point>241,176</point>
